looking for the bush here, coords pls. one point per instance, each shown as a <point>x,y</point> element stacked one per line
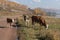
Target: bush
<point>48,35</point>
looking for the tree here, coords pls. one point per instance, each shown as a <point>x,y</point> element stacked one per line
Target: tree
<point>38,11</point>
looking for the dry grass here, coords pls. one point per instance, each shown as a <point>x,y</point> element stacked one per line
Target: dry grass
<point>49,35</point>
<point>39,32</point>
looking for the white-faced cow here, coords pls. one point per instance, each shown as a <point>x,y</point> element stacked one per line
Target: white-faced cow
<point>40,20</point>
<point>10,21</point>
<point>26,19</point>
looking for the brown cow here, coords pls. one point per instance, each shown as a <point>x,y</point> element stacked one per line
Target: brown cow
<point>40,20</point>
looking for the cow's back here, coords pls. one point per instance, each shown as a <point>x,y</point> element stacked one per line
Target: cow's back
<point>41,18</point>
<point>35,18</point>
<point>38,19</point>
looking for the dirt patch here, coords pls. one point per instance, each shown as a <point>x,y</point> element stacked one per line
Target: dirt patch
<point>8,34</point>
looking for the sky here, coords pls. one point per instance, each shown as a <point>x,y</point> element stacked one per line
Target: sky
<point>53,4</point>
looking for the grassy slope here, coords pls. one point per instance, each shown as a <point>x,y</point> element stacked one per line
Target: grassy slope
<point>33,33</point>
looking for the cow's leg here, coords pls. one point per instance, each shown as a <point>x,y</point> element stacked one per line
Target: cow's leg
<point>40,23</point>
<point>32,22</point>
<point>10,24</point>
<point>26,23</point>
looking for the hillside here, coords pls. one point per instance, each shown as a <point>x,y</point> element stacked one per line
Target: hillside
<point>12,4</point>
<point>8,7</point>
